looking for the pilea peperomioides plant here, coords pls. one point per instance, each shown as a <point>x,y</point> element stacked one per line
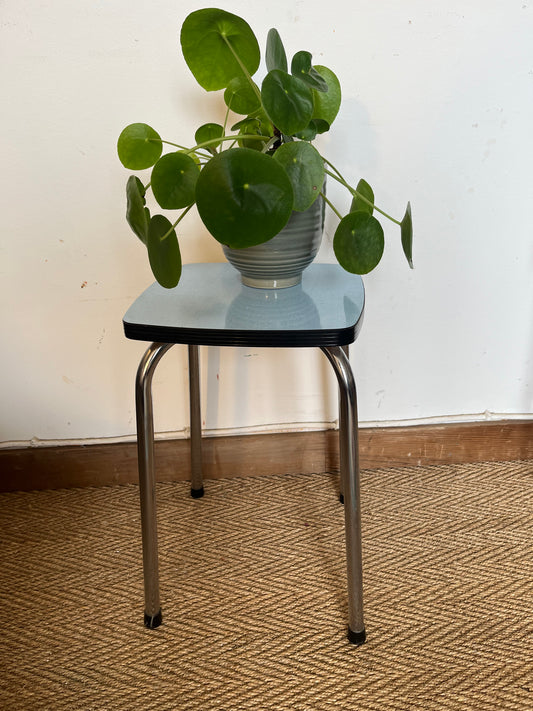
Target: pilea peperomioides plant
<point>247,179</point>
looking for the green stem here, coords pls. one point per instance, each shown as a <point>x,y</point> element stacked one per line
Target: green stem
<point>270,144</point>
<point>244,70</point>
<point>211,141</point>
<point>169,143</point>
<point>226,120</point>
<point>328,202</point>
<point>338,177</point>
<point>180,218</point>
<point>160,140</point>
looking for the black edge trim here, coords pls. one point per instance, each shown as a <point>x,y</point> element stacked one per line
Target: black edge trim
<point>269,339</point>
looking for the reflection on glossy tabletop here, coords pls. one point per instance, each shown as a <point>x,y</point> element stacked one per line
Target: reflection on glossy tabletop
<point>277,309</point>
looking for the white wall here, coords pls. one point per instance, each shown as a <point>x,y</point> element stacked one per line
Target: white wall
<point>437,109</point>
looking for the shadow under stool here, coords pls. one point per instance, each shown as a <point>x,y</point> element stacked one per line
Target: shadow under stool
<point>211,307</point>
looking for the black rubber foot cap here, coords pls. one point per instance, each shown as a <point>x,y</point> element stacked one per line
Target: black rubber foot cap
<point>153,621</point>
<point>356,637</point>
<point>197,493</point>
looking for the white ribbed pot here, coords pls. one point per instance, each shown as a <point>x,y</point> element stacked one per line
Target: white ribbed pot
<point>279,263</point>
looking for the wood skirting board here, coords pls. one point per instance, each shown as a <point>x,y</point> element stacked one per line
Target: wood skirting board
<point>253,455</point>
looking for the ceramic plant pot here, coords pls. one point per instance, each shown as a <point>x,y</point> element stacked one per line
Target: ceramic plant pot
<point>279,263</point>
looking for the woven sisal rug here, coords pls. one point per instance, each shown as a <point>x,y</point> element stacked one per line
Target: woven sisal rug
<point>253,591</point>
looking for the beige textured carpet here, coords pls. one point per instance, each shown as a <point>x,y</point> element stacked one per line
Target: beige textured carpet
<point>253,592</point>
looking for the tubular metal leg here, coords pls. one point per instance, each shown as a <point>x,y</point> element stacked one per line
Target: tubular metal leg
<point>349,463</point>
<point>342,469</point>
<point>197,485</point>
<point>145,453</point>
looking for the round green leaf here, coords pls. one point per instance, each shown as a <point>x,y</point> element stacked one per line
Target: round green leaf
<point>243,197</point>
<point>246,123</point>
<point>209,132</point>
<point>302,68</point>
<point>359,242</point>
<point>164,252</point>
<point>139,146</point>
<point>137,215</point>
<point>258,125</point>
<point>210,39</point>
<point>327,104</point>
<point>314,127</point>
<point>275,56</point>
<point>320,125</point>
<point>174,179</point>
<point>288,101</point>
<point>305,168</point>
<point>365,191</point>
<point>309,133</point>
<point>407,235</point>
<point>301,63</point>
<point>241,97</point>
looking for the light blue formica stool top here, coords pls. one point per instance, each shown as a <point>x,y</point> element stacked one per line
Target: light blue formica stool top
<point>211,307</point>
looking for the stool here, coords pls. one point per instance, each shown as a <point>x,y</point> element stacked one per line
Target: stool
<point>211,307</point>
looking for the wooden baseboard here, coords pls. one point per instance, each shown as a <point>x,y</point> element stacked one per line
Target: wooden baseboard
<point>253,455</point>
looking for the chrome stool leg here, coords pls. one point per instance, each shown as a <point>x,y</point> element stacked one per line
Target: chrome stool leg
<point>197,484</point>
<point>145,454</point>
<point>342,470</point>
<point>349,463</point>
